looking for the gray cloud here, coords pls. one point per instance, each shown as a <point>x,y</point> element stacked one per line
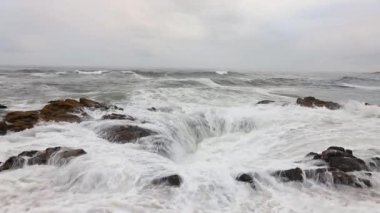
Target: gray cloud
<point>287,35</point>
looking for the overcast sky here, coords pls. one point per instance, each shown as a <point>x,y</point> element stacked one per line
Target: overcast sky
<point>256,35</point>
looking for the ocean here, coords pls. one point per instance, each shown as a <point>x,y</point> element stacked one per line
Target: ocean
<point>209,130</point>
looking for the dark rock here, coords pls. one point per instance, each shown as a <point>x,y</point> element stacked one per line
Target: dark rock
<point>313,102</point>
<point>3,128</point>
<point>58,154</point>
<point>347,164</point>
<point>92,104</point>
<point>3,106</point>
<point>172,180</point>
<point>338,148</point>
<point>314,156</point>
<point>153,109</point>
<point>124,134</point>
<point>247,178</point>
<point>329,153</point>
<point>289,175</point>
<point>265,102</point>
<point>374,163</point>
<point>340,177</point>
<point>115,116</point>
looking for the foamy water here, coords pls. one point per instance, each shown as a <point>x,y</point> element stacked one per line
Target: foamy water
<point>209,131</point>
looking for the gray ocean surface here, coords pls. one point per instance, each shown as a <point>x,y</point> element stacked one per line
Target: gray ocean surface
<point>209,128</point>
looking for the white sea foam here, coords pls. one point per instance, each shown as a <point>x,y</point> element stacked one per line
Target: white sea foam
<point>210,135</point>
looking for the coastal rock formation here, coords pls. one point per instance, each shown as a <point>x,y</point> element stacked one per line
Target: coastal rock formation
<point>313,102</point>
<point>340,163</point>
<point>54,155</point>
<point>124,133</point>
<point>68,110</point>
<point>3,106</point>
<point>171,180</point>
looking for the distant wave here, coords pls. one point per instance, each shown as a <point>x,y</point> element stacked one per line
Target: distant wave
<point>94,72</point>
<point>360,86</point>
<point>221,72</point>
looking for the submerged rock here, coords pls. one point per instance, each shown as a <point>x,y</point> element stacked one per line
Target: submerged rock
<point>115,116</point>
<point>265,102</point>
<point>246,178</point>
<point>171,180</point>
<point>289,175</point>
<point>55,155</point>
<point>124,133</point>
<point>313,102</point>
<point>3,106</point>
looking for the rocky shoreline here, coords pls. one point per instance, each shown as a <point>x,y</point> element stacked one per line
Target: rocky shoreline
<point>335,165</point>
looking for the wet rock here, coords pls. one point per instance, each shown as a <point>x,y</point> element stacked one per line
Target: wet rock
<point>115,116</point>
<point>124,134</point>
<point>34,157</point>
<point>246,178</point>
<point>314,155</point>
<point>21,120</point>
<point>3,128</point>
<point>374,163</point>
<point>313,102</point>
<point>92,104</point>
<point>153,109</point>
<point>265,102</point>
<point>3,106</point>
<point>329,153</point>
<point>336,176</point>
<point>171,180</point>
<point>347,164</point>
<point>62,110</point>
<point>290,174</point>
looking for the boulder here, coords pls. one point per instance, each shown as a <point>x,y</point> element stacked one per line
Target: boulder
<point>124,133</point>
<point>62,110</point>
<point>34,157</point>
<point>171,180</point>
<point>313,102</point>
<point>3,106</point>
<point>265,102</point>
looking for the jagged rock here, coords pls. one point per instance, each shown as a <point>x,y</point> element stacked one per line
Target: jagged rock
<point>19,120</point>
<point>124,134</point>
<point>313,102</point>
<point>171,180</point>
<point>3,106</point>
<point>265,102</point>
<point>289,175</point>
<point>115,116</point>
<point>34,157</point>
<point>3,128</point>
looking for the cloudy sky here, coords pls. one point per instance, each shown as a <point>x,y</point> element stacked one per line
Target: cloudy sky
<point>256,35</point>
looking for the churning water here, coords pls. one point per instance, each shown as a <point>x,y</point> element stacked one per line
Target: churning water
<point>209,128</point>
